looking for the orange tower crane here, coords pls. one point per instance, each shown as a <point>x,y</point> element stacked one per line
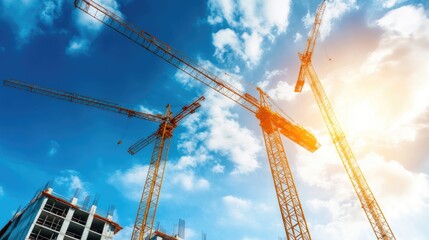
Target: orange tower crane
<point>273,123</point>
<point>369,203</point>
<point>152,187</point>
<point>145,217</point>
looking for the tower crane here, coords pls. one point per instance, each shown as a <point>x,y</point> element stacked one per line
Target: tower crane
<point>369,204</point>
<point>149,200</point>
<point>272,122</point>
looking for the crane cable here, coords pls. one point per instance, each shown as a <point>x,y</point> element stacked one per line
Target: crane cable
<point>124,131</point>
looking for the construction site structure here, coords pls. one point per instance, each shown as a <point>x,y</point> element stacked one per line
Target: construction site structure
<point>161,234</point>
<point>369,204</point>
<point>273,123</point>
<point>158,235</point>
<point>152,188</point>
<point>49,216</point>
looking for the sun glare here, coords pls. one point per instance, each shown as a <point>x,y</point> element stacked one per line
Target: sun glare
<point>362,118</point>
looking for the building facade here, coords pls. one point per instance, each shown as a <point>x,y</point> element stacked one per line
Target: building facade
<point>49,217</point>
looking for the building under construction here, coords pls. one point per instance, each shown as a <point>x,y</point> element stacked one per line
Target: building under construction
<point>158,235</point>
<point>178,233</point>
<point>48,216</point>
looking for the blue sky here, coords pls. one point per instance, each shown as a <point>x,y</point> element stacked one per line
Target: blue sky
<point>217,176</point>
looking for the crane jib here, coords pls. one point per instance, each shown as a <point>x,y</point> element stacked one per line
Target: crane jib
<point>76,98</point>
<point>165,52</point>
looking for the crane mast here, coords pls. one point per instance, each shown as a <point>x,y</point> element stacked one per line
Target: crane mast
<point>146,212</point>
<point>272,123</point>
<point>289,203</point>
<point>369,204</point>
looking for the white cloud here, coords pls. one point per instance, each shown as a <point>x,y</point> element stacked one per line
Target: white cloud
<point>218,168</point>
<point>221,9</point>
<point>70,181</point>
<point>391,3</point>
<point>78,46</point>
<point>252,47</point>
<point>247,46</point>
<point>415,25</point>
<point>237,208</point>
<point>124,234</point>
<point>243,212</point>
<point>225,40</point>
<point>334,11</point>
<point>88,28</point>
<point>282,90</point>
<point>308,20</point>
<point>144,109</point>
<point>400,193</point>
<point>250,24</point>
<point>270,76</point>
<point>199,155</point>
<point>185,80</point>
<point>29,18</point>
<point>54,146</point>
<point>189,182</point>
<point>229,138</point>
<point>190,234</point>
<point>297,37</point>
<point>51,10</point>
<point>131,181</point>
<point>237,69</point>
<point>396,186</point>
<point>374,103</point>
<point>236,202</point>
<point>401,54</point>
<point>193,146</point>
<point>206,137</point>
<point>187,161</point>
<point>277,13</point>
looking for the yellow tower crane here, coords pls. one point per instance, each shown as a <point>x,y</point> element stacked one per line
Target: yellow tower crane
<point>152,188</point>
<point>272,122</point>
<point>369,203</point>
